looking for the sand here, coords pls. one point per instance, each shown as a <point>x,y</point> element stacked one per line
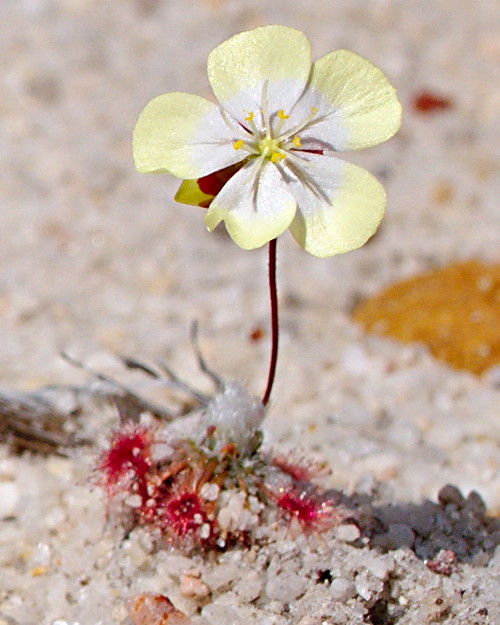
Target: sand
<point>98,260</point>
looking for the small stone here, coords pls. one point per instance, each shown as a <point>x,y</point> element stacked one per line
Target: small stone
<point>444,563</point>
<point>347,533</point>
<point>152,609</point>
<point>365,587</point>
<point>221,575</point>
<point>451,494</point>
<point>210,491</point>
<point>476,504</point>
<point>220,613</point>
<point>133,501</point>
<point>249,587</point>
<point>422,518</point>
<point>342,589</point>
<point>192,586</point>
<point>397,536</point>
<point>285,587</point>
<point>135,552</point>
<point>175,565</point>
<point>234,514</point>
<point>380,567</point>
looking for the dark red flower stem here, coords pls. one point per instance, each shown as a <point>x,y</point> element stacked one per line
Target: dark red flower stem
<point>273,296</point>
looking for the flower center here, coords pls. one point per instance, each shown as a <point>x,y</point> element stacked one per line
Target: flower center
<point>262,134</point>
<point>270,148</point>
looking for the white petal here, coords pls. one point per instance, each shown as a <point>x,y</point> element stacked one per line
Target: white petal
<point>184,135</point>
<point>255,205</point>
<point>339,205</point>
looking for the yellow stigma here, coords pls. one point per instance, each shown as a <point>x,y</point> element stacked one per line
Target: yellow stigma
<point>237,145</point>
<point>281,115</point>
<point>249,117</point>
<point>296,142</point>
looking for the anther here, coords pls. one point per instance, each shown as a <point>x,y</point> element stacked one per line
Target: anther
<point>276,157</point>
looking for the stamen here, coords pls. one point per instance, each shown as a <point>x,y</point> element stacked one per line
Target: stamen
<point>264,110</point>
<point>251,123</point>
<point>281,118</point>
<point>237,145</point>
<point>254,170</point>
<point>234,126</point>
<point>276,157</point>
<point>297,157</point>
<point>300,126</point>
<point>296,142</point>
<point>295,166</point>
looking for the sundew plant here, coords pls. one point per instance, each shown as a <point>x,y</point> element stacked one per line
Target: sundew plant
<point>262,159</point>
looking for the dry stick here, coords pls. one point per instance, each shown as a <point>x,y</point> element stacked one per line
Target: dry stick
<point>273,295</point>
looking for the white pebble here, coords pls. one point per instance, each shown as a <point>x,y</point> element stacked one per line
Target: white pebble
<point>209,491</point>
<point>284,587</point>
<point>342,589</point>
<point>347,533</point>
<point>250,587</point>
<point>380,567</point>
<point>135,552</point>
<point>133,501</point>
<point>192,586</point>
<point>221,575</point>
<point>175,565</point>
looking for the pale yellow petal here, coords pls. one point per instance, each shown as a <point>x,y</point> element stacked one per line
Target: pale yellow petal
<point>356,105</point>
<point>275,57</point>
<point>184,135</point>
<point>340,206</point>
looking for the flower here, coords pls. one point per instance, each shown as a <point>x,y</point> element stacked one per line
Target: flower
<point>271,141</point>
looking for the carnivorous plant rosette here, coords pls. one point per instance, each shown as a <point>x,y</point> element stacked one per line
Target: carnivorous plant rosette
<point>263,159</point>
